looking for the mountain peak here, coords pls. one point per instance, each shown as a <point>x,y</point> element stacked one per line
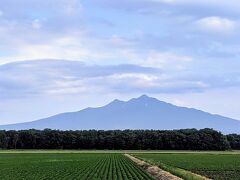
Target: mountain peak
<point>144,96</point>
<point>115,102</point>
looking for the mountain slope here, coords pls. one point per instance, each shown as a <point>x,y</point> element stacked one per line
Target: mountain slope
<point>138,113</point>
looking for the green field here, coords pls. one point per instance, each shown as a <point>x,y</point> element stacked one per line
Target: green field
<point>106,165</point>
<point>214,165</point>
<point>68,166</point>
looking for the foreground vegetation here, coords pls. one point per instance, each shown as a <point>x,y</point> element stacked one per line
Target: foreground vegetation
<point>212,165</point>
<point>186,139</point>
<point>69,166</point>
<point>100,164</point>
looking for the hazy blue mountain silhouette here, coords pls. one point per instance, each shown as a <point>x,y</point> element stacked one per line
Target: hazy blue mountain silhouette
<point>138,113</point>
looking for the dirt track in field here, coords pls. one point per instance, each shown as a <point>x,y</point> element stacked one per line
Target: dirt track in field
<point>155,171</point>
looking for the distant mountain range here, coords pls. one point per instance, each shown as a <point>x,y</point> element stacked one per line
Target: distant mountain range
<point>138,113</point>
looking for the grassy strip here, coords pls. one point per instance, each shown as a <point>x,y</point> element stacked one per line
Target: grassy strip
<point>184,174</point>
<point>116,151</point>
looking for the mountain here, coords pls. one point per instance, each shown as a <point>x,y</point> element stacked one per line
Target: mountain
<point>138,113</point>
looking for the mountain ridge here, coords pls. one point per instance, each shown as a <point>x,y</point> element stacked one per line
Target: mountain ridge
<point>143,112</point>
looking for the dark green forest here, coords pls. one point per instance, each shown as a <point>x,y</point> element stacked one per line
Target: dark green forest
<point>234,140</point>
<point>185,139</point>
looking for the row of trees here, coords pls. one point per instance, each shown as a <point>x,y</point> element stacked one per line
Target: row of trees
<point>234,140</point>
<point>187,139</point>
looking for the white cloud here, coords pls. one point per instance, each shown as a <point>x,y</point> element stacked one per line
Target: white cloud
<point>36,24</point>
<point>145,77</point>
<point>118,41</point>
<point>1,13</point>
<point>72,7</point>
<point>167,60</point>
<point>216,24</point>
<point>137,80</point>
<point>63,47</point>
<point>67,77</point>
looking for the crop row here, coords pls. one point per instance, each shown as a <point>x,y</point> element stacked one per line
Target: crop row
<point>69,166</point>
<point>212,165</point>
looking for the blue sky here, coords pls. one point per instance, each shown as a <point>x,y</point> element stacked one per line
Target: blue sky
<point>65,55</point>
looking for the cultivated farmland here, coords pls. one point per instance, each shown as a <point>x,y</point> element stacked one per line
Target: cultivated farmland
<point>69,166</point>
<point>213,165</point>
<point>113,165</point>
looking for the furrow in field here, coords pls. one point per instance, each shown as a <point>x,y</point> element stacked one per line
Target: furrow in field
<point>135,170</point>
<point>153,170</point>
<point>180,165</point>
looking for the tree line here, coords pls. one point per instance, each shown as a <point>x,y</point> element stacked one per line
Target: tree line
<point>185,139</point>
<point>234,141</point>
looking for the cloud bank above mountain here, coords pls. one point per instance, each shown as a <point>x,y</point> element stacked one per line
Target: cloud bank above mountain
<point>60,77</point>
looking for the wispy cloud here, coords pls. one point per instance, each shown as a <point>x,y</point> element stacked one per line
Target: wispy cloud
<point>58,77</point>
<point>216,24</point>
